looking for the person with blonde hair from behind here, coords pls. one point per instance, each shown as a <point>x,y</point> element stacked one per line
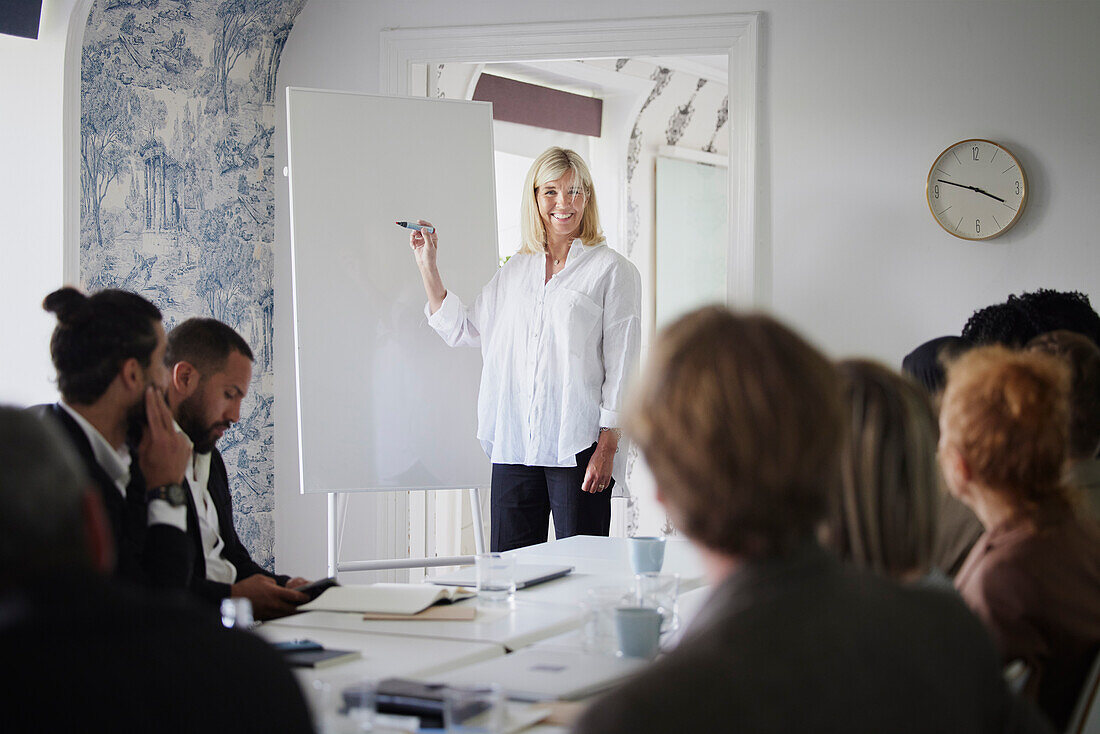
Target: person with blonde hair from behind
<point>740,421</point>
<point>885,514</point>
<point>1033,577</point>
<point>559,327</point>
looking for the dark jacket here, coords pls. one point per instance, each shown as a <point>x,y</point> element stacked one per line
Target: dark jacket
<point>94,655</point>
<point>234,550</point>
<point>803,644</point>
<point>158,556</point>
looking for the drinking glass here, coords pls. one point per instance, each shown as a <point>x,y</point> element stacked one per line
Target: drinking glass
<point>599,607</point>
<point>474,710</point>
<point>659,591</point>
<point>496,578</point>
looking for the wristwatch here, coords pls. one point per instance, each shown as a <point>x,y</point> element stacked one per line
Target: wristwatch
<point>173,494</point>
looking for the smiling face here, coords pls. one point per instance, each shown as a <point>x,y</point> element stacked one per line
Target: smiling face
<point>207,414</point>
<point>561,208</point>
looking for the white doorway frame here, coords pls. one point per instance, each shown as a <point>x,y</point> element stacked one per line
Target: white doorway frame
<point>736,35</point>
<point>405,52</point>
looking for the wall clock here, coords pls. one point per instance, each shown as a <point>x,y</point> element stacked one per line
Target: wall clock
<point>976,189</point>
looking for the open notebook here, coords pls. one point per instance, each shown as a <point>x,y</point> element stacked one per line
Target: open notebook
<point>384,598</point>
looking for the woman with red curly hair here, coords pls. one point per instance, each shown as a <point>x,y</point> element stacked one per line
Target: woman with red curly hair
<point>1034,575</point>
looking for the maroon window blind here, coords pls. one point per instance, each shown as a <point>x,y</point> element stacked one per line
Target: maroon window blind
<point>530,104</point>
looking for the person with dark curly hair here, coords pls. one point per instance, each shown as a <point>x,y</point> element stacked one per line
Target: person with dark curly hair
<point>1022,318</point>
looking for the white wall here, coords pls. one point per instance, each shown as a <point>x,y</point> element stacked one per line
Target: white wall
<point>31,77</point>
<point>859,98</point>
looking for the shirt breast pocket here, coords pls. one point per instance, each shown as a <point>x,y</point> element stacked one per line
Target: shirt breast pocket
<point>579,321</point>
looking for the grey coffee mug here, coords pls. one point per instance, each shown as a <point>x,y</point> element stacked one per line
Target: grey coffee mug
<point>647,554</point>
<point>638,630</point>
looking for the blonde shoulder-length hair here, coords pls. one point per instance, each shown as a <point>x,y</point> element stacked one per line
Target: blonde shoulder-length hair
<point>551,165</point>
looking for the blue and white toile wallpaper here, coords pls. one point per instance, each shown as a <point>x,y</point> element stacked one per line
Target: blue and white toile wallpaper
<point>177,188</point>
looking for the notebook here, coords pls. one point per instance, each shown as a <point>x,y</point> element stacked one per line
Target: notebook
<point>526,575</point>
<point>319,658</point>
<point>541,674</point>
<point>383,598</point>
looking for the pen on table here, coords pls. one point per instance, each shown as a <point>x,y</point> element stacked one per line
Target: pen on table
<point>414,225</point>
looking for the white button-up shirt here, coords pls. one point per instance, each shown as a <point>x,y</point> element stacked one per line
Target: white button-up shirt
<point>556,355</point>
<point>218,568</point>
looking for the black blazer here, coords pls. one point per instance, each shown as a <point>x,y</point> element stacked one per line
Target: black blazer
<point>149,555</point>
<point>805,645</point>
<point>99,656</point>
<point>234,550</point>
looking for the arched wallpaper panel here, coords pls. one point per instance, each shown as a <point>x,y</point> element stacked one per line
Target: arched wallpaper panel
<point>177,188</point>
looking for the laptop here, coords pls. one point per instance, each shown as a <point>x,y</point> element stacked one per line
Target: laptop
<point>526,575</point>
<point>546,674</point>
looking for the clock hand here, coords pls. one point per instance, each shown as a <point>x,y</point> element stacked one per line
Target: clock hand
<point>972,188</point>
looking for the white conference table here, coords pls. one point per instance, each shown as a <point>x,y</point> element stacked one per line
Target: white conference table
<point>384,656</point>
<point>600,562</point>
<point>511,629</point>
<point>547,614</point>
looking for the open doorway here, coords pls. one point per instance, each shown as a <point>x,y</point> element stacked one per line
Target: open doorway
<point>630,64</point>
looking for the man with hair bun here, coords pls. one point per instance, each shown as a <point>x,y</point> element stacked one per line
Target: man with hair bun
<point>108,349</point>
<point>741,423</point>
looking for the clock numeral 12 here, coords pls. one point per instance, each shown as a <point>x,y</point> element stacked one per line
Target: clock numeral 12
<point>975,151</point>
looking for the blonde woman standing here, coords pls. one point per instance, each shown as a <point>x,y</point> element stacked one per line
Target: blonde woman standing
<point>559,330</point>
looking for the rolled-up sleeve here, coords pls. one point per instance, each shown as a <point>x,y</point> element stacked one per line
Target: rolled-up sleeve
<point>454,322</point>
<point>621,339</point>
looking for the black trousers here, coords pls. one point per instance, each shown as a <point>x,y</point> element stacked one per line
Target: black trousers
<point>523,497</point>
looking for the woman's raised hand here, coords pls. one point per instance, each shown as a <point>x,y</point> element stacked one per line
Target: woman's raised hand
<point>424,246</point>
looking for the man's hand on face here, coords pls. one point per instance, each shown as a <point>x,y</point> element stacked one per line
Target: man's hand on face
<point>269,600</point>
<point>163,452</point>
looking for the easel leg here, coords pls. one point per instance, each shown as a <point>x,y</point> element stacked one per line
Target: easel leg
<point>332,525</point>
<point>479,531</point>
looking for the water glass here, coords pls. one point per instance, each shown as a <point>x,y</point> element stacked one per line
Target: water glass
<point>474,710</point>
<point>647,554</point>
<point>599,607</point>
<point>237,612</point>
<point>496,578</point>
<point>661,592</point>
<point>360,704</point>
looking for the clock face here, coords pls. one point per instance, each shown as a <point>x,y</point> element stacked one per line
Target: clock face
<point>976,189</point>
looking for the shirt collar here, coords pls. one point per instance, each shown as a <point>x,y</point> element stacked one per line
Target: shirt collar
<point>115,463</point>
<point>198,468</point>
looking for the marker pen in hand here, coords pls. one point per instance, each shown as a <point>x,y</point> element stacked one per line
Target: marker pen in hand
<point>414,225</point>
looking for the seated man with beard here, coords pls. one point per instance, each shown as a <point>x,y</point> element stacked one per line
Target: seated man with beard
<point>210,368</point>
<point>108,349</point>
